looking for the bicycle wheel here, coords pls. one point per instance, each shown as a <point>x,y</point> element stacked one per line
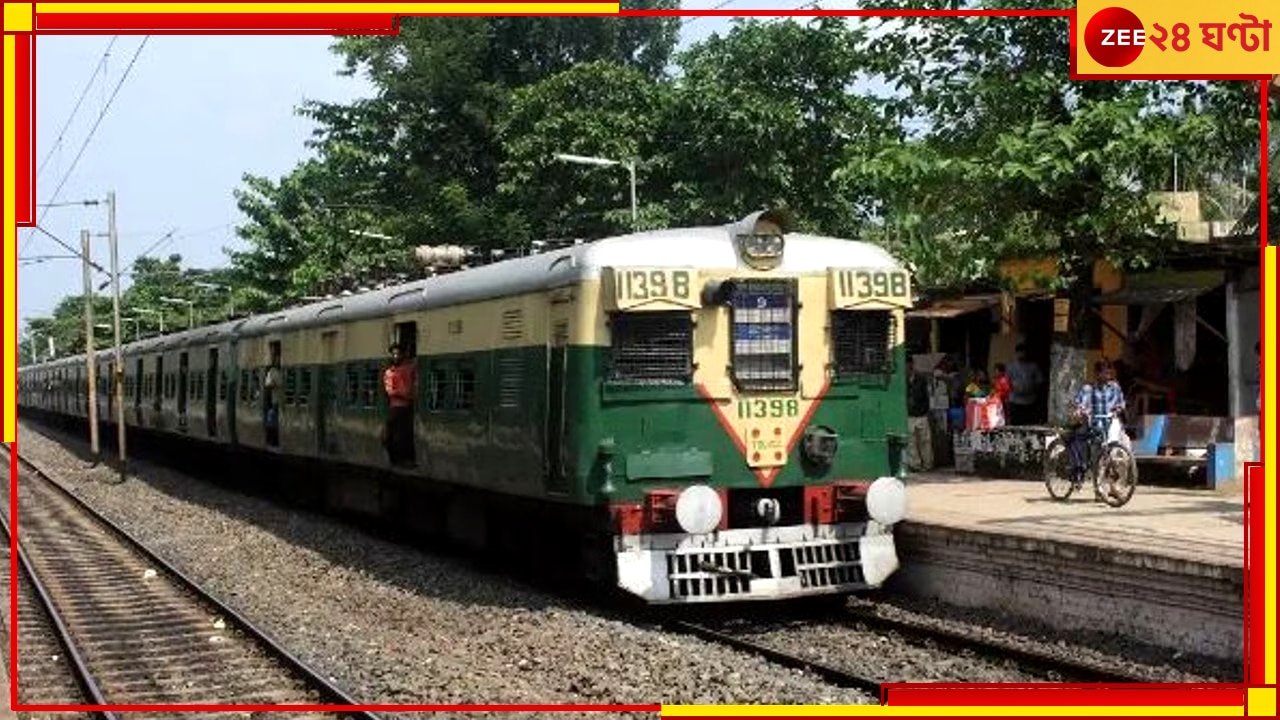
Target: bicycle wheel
<point>1117,475</point>
<point>1057,470</point>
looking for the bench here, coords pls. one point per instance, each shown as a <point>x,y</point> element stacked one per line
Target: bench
<point>1010,451</point>
<point>1194,449</point>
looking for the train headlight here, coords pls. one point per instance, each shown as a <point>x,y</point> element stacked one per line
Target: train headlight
<point>698,510</point>
<point>887,500</point>
<point>761,237</point>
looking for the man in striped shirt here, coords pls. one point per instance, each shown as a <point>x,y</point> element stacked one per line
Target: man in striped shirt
<point>1097,404</point>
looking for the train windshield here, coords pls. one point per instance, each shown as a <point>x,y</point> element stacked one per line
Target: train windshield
<point>764,315</point>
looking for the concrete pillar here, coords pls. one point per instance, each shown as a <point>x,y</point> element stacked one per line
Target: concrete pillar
<point>1235,376</point>
<point>1244,326</point>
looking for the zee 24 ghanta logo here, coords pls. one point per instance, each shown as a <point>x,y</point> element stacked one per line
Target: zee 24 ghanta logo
<point>1115,37</point>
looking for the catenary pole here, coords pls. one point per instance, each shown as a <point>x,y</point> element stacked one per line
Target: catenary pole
<point>118,375</point>
<point>90,359</point>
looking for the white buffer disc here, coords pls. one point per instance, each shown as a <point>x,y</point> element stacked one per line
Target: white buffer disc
<point>887,500</point>
<point>698,510</point>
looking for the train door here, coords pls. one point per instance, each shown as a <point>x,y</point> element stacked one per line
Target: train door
<point>557,479</point>
<point>107,391</point>
<point>272,377</point>
<point>211,391</point>
<point>183,368</point>
<point>327,394</point>
<point>233,391</point>
<point>137,391</point>
<point>405,335</point>
<point>159,385</point>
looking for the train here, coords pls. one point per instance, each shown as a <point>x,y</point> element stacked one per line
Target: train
<point>699,414</point>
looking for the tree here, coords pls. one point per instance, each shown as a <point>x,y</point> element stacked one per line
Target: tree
<point>1018,160</point>
<point>766,115</point>
<point>420,160</point>
<point>307,238</point>
<point>427,144</point>
<point>596,109</point>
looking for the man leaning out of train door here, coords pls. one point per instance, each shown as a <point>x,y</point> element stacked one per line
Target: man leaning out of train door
<point>400,381</point>
<point>271,398</point>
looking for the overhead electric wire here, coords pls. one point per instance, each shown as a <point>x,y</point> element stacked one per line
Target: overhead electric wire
<point>97,68</point>
<point>168,237</point>
<point>695,18</point>
<point>67,246</point>
<point>83,146</point>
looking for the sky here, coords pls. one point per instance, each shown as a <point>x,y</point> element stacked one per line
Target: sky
<point>191,117</point>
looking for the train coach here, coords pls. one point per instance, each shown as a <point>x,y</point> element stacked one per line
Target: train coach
<point>697,414</point>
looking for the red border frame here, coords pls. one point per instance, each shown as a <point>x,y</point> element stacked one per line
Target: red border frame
<point>908,694</point>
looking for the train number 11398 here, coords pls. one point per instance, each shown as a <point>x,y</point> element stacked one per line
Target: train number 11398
<point>634,286</point>
<point>855,286</point>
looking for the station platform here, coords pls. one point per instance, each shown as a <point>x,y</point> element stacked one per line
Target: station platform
<point>1167,569</point>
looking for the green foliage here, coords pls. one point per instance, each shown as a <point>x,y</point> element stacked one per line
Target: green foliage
<point>979,147</point>
<point>596,109</point>
<point>155,284</point>
<point>764,117</point>
<point>421,161</point>
<point>1018,160</point>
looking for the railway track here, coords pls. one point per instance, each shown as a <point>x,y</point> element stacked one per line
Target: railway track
<point>1052,666</point>
<point>829,673</point>
<point>134,630</point>
<point>743,635</point>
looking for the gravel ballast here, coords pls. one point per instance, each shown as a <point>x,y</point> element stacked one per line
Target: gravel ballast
<point>399,625</point>
<point>393,624</point>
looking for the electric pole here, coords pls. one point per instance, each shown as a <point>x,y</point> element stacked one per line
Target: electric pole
<point>118,375</point>
<point>90,360</point>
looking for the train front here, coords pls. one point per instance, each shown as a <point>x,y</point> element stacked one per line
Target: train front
<point>753,416</point>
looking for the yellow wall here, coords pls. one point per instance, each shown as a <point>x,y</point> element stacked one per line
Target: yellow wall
<point>1029,276</point>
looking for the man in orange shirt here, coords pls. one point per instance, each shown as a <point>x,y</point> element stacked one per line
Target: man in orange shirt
<point>400,381</point>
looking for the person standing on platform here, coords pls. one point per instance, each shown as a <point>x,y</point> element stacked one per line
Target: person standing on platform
<point>1025,378</point>
<point>1001,387</point>
<point>920,454</point>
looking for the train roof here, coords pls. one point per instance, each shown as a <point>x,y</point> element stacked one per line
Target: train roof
<point>702,248</point>
<point>709,248</point>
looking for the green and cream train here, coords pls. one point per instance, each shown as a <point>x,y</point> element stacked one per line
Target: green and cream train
<point>698,414</point>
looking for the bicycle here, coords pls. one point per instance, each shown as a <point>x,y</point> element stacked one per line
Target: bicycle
<point>1109,465</point>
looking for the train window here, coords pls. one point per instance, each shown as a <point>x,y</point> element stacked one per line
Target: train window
<point>290,386</point>
<point>353,386</point>
<point>223,384</point>
<point>370,385</point>
<point>304,386</point>
<point>255,386</point>
<point>464,389</point>
<point>651,348</point>
<point>244,386</point>
<point>763,322</point>
<point>437,388</point>
<point>862,342</point>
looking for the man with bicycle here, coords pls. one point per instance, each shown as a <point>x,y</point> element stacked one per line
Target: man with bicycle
<point>1097,407</point>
